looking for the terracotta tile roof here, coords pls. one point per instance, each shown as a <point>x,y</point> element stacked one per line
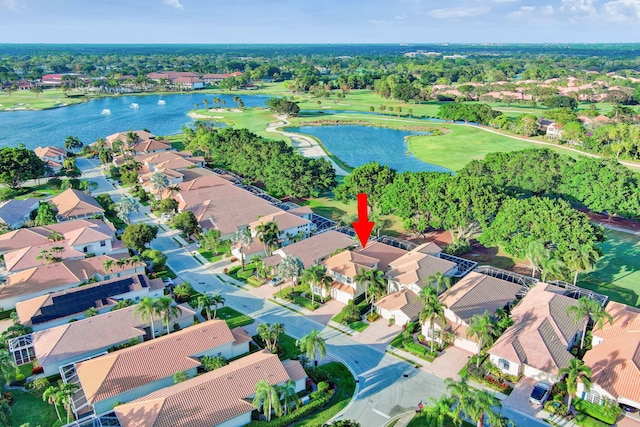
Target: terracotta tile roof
<point>302,210</point>
<point>205,181</point>
<point>418,264</point>
<point>385,254</point>
<point>209,399</point>
<point>122,136</point>
<point>72,203</point>
<point>51,276</point>
<point>227,206</point>
<point>541,332</point>
<point>176,163</point>
<point>477,293</point>
<point>83,236</point>
<point>343,288</point>
<point>151,145</point>
<point>23,237</point>
<point>194,173</point>
<point>615,362</point>
<point>49,151</point>
<point>22,259</point>
<point>350,263</point>
<point>294,369</point>
<point>315,248</point>
<point>284,220</point>
<point>121,371</point>
<point>76,339</point>
<point>404,300</point>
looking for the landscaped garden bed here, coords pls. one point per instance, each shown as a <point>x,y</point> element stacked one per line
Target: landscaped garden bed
<point>490,375</point>
<point>608,412</point>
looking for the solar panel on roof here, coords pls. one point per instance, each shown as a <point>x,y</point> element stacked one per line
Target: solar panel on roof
<point>80,299</point>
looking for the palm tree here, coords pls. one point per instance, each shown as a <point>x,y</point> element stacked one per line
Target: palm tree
<point>576,370</point>
<point>314,275</point>
<point>207,300</point>
<point>146,309</point>
<point>439,281</point>
<point>91,311</point>
<point>482,327</point>
<point>125,207</point>
<point>172,189</point>
<point>439,410</point>
<point>159,182</point>
<point>212,363</point>
<point>433,309</point>
<point>551,267</point>
<point>276,330</point>
<point>290,268</point>
<point>51,396</point>
<point>368,278</point>
<point>264,332</point>
<point>243,240</point>
<point>268,234</point>
<point>537,253</point>
<point>480,404</point>
<point>312,344</point>
<point>586,309</point>
<point>581,259</point>
<point>65,394</point>
<point>267,398</point>
<point>8,367</point>
<point>167,310</point>
<point>288,395</point>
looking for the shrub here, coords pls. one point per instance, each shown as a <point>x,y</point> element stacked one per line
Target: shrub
<point>586,421</point>
<point>459,247</point>
<point>351,313</point>
<point>608,412</point>
<point>372,317</point>
<point>415,348</point>
<point>55,183</point>
<point>37,370</point>
<point>7,194</point>
<point>323,386</point>
<point>8,396</point>
<point>296,415</point>
<point>421,337</point>
<point>412,327</point>
<point>554,407</point>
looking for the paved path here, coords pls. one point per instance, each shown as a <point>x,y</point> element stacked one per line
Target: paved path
<point>305,144</point>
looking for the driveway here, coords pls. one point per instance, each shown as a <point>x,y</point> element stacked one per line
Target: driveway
<point>519,398</point>
<point>449,363</point>
<point>378,335</point>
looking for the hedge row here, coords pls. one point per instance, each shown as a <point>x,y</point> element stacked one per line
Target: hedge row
<point>296,415</point>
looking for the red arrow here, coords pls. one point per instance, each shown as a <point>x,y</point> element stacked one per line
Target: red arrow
<point>363,226</point>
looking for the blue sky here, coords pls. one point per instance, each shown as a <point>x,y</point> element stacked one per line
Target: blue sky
<point>319,21</point>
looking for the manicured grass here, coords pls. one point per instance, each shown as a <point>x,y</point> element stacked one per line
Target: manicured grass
<point>233,318</point>
<point>359,326</point>
<point>339,375</point>
<point>330,208</point>
<point>465,143</point>
<point>38,191</point>
<point>617,273</point>
<point>177,141</point>
<point>254,119</point>
<point>287,344</point>
<point>210,255</point>
<point>27,100</point>
<point>29,408</point>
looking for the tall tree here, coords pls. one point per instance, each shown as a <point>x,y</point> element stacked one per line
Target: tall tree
<point>268,235</point>
<point>137,236</point>
<point>312,345</point>
<point>146,309</point>
<point>167,310</point>
<point>433,309</point>
<point>290,268</point>
<point>314,275</point>
<point>186,222</point>
<point>586,309</point>
<point>438,281</point>
<point>243,240</point>
<point>482,327</point>
<point>211,240</point>
<point>159,181</point>
<point>66,393</point>
<point>288,395</point>
<point>582,259</point>
<point>124,208</point>
<point>18,165</point>
<point>267,398</point>
<point>52,397</point>
<point>8,367</point>
<point>72,143</point>
<point>576,371</point>
<point>208,299</point>
<point>537,254</point>
<point>370,279</point>
<point>371,179</point>
<point>46,215</point>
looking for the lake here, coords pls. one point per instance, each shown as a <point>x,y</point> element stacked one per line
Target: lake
<point>358,145</point>
<point>51,127</point>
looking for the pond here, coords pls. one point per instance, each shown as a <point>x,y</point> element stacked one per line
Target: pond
<point>90,120</point>
<point>357,145</point>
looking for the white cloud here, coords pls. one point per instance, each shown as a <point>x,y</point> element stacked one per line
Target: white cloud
<point>401,17</point>
<point>459,12</point>
<point>8,5</point>
<point>505,1</point>
<point>532,12</point>
<point>579,7</point>
<point>174,3</point>
<point>621,10</point>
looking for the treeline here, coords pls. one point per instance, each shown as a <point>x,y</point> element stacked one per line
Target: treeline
<point>518,200</point>
<point>479,113</point>
<point>280,168</point>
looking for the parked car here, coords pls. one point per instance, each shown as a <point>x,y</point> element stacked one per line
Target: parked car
<point>628,408</point>
<point>540,393</point>
<point>168,282</point>
<point>275,281</point>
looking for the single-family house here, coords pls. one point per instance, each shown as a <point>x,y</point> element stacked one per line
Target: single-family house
<point>71,342</point>
<point>71,304</point>
<point>476,293</point>
<point>554,131</point>
<point>343,269</point>
<point>313,250</point>
<point>538,344</point>
<point>615,358</point>
<point>149,146</point>
<point>130,373</point>
<point>401,306</point>
<point>410,270</point>
<point>140,135</point>
<point>75,204</point>
<point>51,156</point>
<point>58,276</point>
<point>15,212</point>
<point>385,254</point>
<point>289,226</point>
<point>218,398</point>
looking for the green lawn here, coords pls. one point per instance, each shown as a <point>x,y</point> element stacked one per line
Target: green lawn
<point>254,119</point>
<point>341,376</point>
<point>617,273</point>
<point>288,345</point>
<point>359,326</point>
<point>210,256</point>
<point>27,100</point>
<point>29,408</point>
<point>465,143</point>
<point>233,318</point>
